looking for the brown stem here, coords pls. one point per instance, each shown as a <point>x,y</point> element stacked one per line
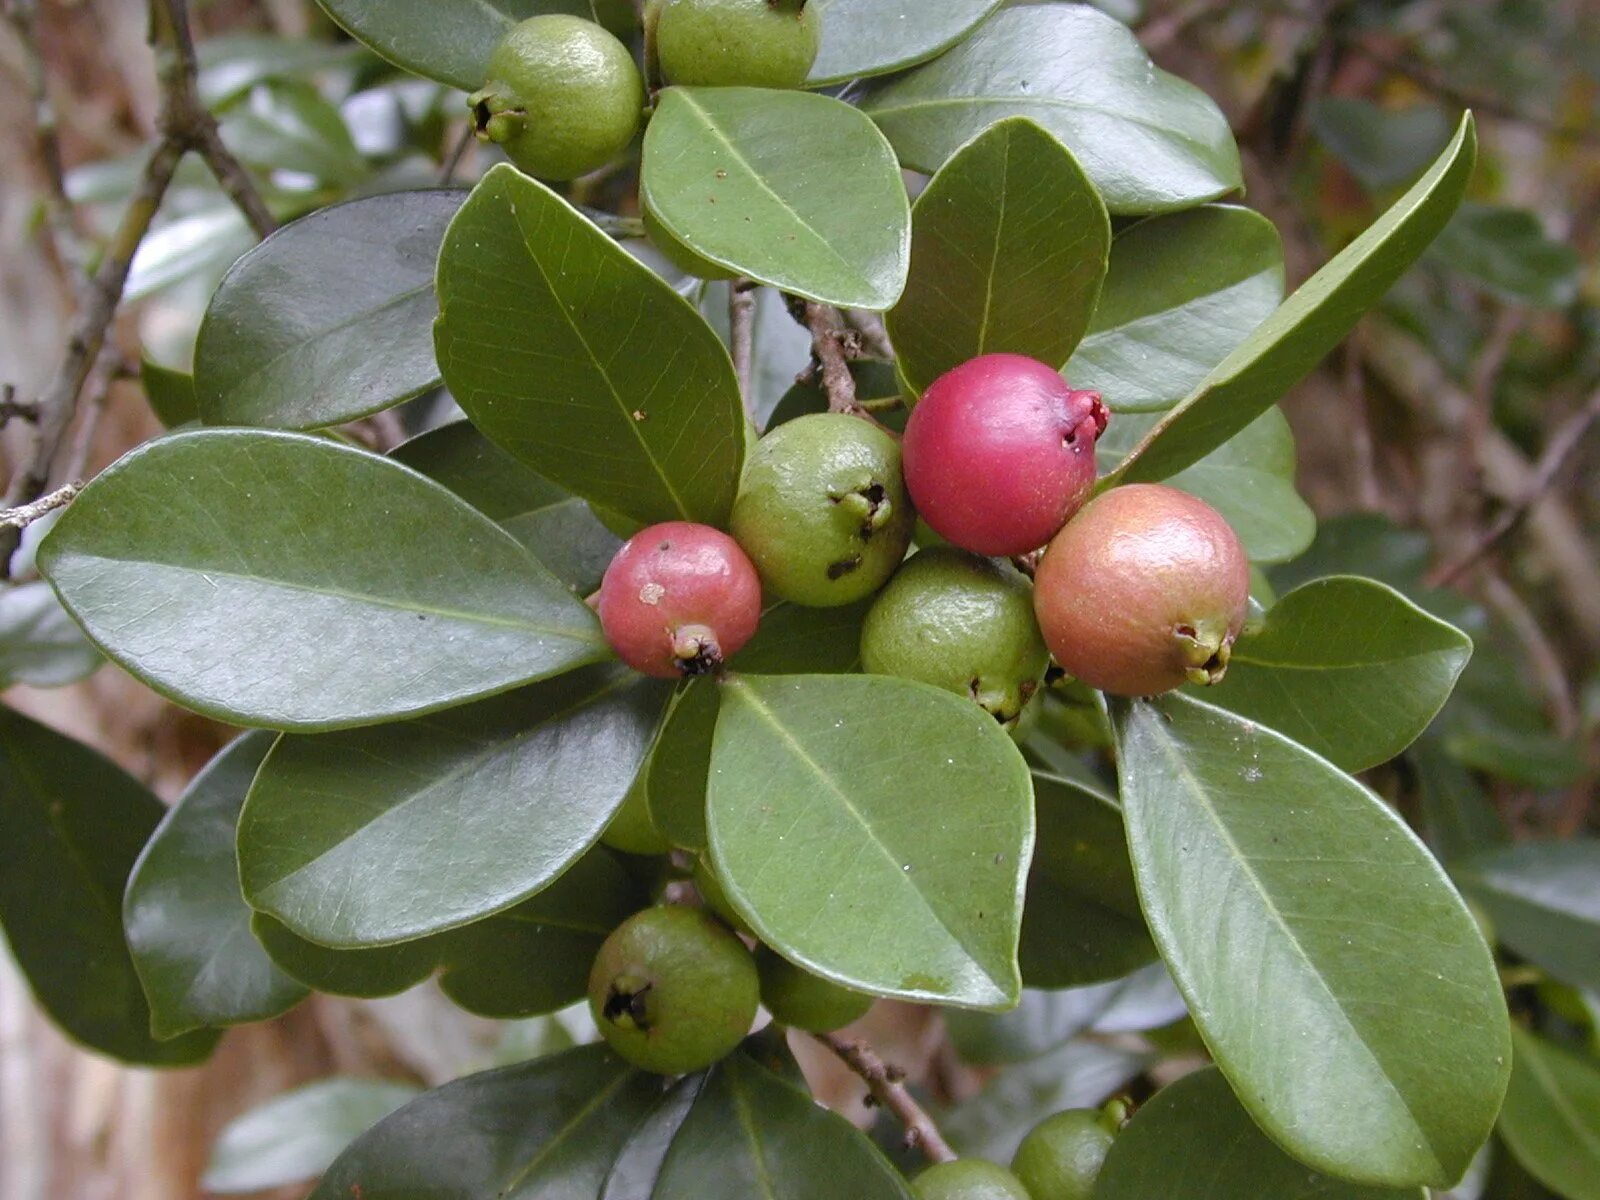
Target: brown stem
<point>1542,656</point>
<point>447,171</point>
<point>741,330</point>
<point>23,515</point>
<point>871,329</point>
<point>885,1084</point>
<point>828,340</point>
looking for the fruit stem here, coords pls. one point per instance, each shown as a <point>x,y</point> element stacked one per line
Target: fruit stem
<point>888,1089</point>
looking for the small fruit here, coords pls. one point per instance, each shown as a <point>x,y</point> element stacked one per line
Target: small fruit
<point>960,622</point>
<point>1144,590</point>
<point>563,97</point>
<point>1000,453</point>
<point>679,599</point>
<point>704,877</point>
<point>968,1179</point>
<point>823,510</point>
<point>794,996</point>
<point>1062,1155</point>
<point>673,990</point>
<point>737,43</point>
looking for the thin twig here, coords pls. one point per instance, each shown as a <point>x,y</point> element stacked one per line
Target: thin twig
<point>1563,445</point>
<point>11,407</point>
<point>65,242</point>
<point>874,337</point>
<point>1363,456</point>
<point>829,339</point>
<point>452,162</point>
<point>885,1084</point>
<point>741,337</point>
<point>1541,655</point>
<point>24,515</point>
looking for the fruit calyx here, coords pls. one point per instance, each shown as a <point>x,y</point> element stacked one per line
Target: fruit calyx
<point>495,117</point>
<point>627,1003</point>
<point>1206,652</point>
<point>696,649</point>
<point>1092,417</point>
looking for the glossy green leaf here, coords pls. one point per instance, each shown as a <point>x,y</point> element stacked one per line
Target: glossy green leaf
<point>1150,141</point>
<point>793,189</point>
<point>71,825</point>
<point>1182,291</point>
<point>381,835</point>
<point>1194,1141</point>
<point>1458,817</point>
<point>559,529</point>
<point>277,579</point>
<point>329,318</point>
<point>875,37</point>
<point>542,1130</point>
<point>1274,885</point>
<point>1552,1116</point>
<point>1309,324</point>
<point>1544,901</point>
<point>633,1176</point>
<point>795,640</point>
<point>1082,922</point>
<point>1347,667</point>
<point>1249,479</point>
<point>171,393</point>
<point>1009,244</point>
<point>450,40</point>
<point>186,921</point>
<point>580,361</point>
<point>680,764</point>
<point>1382,147</point>
<point>289,126</point>
<point>1507,250</point>
<point>296,1136</point>
<point>39,644</point>
<point>830,822</point>
<point>527,961</point>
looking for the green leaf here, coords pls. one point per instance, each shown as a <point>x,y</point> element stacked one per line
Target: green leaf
<point>1507,251</point>
<point>795,640</point>
<point>297,1135</point>
<point>328,319</point>
<point>277,579</point>
<point>559,529</point>
<point>530,960</point>
<point>71,825</point>
<point>1249,479</point>
<point>1382,147</point>
<point>793,189</point>
<point>1276,885</point>
<point>1183,290</point>
<point>1347,667</point>
<point>1194,1141</point>
<point>1552,1116</point>
<point>450,40</point>
<point>750,1133</point>
<point>1310,323</point>
<point>186,921</point>
<point>171,393</point>
<point>875,37</point>
<point>1544,901</point>
<point>1458,817</point>
<point>381,835</point>
<point>1009,244</point>
<point>580,361</point>
<point>1082,922</point>
<point>39,644</point>
<point>1150,141</point>
<point>542,1130</point>
<point>680,764</point>
<point>831,821</point>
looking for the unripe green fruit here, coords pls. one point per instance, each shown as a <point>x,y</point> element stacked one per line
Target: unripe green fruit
<point>711,894</point>
<point>673,990</point>
<point>960,622</point>
<point>678,254</point>
<point>1062,1155</point>
<point>562,97</point>
<point>737,43</point>
<point>794,996</point>
<point>968,1179</point>
<point>823,511</point>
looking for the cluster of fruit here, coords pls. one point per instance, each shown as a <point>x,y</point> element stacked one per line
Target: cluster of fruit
<point>563,96</point>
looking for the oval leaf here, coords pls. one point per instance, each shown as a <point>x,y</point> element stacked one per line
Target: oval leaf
<point>1552,1116</point>
<point>935,807</point>
<point>549,1129</point>
<point>1544,901</point>
<point>874,37</point>
<point>328,319</point>
<point>1150,141</point>
<point>1194,1141</point>
<point>1282,895</point>
<point>71,825</point>
<point>1008,251</point>
<point>680,764</point>
<point>39,644</point>
<point>381,835</point>
<point>1182,291</point>
<point>1508,252</point>
<point>583,363</point>
<point>792,189</point>
<point>187,924</point>
<point>1309,324</point>
<point>1347,667</point>
<point>276,579</point>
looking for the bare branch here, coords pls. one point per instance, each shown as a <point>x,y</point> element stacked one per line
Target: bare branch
<point>741,329</point>
<point>1542,656</point>
<point>871,328</point>
<point>829,339</point>
<point>885,1084</point>
<point>65,242</point>
<point>11,407</point>
<point>26,514</point>
<point>452,162</point>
